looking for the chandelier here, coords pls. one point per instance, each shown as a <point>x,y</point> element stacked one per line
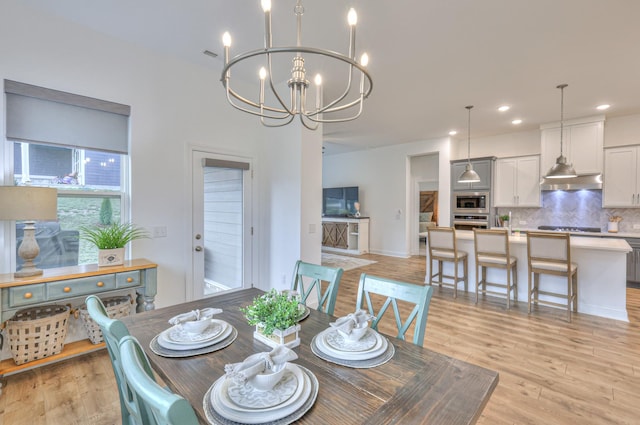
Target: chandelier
<point>283,108</point>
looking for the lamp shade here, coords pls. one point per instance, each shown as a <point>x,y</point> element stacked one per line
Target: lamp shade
<point>561,169</point>
<point>28,203</point>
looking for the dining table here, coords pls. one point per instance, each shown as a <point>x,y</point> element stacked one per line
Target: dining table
<point>417,386</point>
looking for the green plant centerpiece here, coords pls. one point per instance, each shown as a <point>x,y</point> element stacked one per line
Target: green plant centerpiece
<point>275,316</point>
<point>111,240</point>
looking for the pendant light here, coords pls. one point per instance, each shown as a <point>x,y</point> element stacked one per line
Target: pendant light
<point>561,169</point>
<point>469,175</point>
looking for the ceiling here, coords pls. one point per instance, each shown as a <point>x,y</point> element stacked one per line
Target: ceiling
<point>428,59</point>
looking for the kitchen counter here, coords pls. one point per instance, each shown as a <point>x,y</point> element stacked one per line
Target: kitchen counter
<point>592,234</point>
<point>602,271</point>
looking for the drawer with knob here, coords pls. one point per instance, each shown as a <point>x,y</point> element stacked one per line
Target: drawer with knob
<point>128,279</point>
<point>26,295</point>
<point>82,286</point>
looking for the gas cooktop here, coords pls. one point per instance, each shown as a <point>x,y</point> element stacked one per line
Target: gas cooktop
<point>570,229</point>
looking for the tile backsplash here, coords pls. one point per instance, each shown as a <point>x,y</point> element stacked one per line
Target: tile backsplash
<point>579,208</point>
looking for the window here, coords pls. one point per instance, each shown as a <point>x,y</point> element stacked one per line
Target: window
<point>77,144</point>
<point>89,194</point>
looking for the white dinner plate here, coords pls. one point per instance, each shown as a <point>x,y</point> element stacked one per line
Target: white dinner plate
<point>257,416</point>
<point>163,342</point>
<point>177,335</point>
<point>336,340</point>
<point>379,348</point>
<point>244,398</point>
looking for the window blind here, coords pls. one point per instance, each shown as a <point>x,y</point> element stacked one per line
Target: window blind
<point>42,115</point>
<point>221,163</point>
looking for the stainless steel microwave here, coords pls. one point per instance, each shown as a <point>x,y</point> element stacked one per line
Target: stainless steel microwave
<point>471,202</point>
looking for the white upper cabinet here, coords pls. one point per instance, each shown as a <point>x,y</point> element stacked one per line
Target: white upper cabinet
<point>583,142</point>
<point>621,187</point>
<point>517,182</point>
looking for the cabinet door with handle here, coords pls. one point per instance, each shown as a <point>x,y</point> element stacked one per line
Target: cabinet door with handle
<point>620,177</point>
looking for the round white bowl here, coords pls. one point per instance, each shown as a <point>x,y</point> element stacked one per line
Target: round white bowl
<point>356,333</point>
<point>196,326</point>
<point>267,380</point>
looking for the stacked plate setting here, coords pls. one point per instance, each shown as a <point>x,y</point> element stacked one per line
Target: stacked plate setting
<point>232,402</point>
<point>176,338</point>
<point>333,343</point>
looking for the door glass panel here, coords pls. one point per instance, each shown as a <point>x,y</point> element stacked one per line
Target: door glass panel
<point>223,229</point>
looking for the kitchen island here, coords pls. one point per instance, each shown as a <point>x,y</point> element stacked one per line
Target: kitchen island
<point>602,272</point>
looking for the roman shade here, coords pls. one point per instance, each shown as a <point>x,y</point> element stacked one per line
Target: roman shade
<point>221,163</point>
<point>42,115</point>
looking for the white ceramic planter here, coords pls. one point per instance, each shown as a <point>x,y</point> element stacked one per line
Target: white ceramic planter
<point>110,257</point>
<point>288,337</point>
<point>612,227</point>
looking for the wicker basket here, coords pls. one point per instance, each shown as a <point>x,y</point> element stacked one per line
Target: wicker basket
<point>117,307</point>
<point>37,332</point>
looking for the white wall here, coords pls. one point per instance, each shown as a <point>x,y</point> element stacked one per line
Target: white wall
<point>501,146</point>
<point>619,131</point>
<point>174,105</point>
<point>383,176</point>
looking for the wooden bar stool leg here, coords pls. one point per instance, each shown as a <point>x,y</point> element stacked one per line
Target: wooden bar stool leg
<point>508,288</point>
<point>514,270</point>
<point>465,268</point>
<point>569,297</point>
<point>529,293</point>
<point>455,278</point>
<point>440,273</point>
<point>536,287</point>
<point>478,268</point>
<point>575,291</point>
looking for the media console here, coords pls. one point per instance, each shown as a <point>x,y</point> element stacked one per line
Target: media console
<point>347,235</point>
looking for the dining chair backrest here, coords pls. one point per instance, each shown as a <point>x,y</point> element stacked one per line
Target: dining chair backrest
<point>491,242</point>
<point>394,290</point>
<point>158,405</point>
<point>307,276</point>
<point>113,331</point>
<point>441,239</point>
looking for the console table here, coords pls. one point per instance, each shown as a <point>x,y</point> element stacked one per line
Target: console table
<point>348,235</point>
<point>71,285</point>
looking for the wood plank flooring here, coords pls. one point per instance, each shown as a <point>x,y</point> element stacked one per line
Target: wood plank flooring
<point>551,371</point>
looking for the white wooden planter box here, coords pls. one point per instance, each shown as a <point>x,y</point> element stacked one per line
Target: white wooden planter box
<point>288,337</point>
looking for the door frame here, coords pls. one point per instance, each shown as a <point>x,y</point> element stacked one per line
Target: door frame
<point>249,249</point>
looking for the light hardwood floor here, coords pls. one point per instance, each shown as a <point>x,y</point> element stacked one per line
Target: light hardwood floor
<point>551,371</point>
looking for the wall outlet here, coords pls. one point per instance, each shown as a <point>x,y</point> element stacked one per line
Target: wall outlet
<point>522,222</point>
<point>159,232</point>
<point>636,226</point>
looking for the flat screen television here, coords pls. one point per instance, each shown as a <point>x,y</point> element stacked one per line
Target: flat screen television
<point>339,201</point>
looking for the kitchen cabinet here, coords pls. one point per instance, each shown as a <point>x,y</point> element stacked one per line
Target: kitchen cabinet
<point>348,235</point>
<point>621,187</point>
<point>633,261</point>
<point>481,166</point>
<point>517,182</point>
<point>583,142</point>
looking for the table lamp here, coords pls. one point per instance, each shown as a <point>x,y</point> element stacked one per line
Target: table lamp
<point>28,203</point>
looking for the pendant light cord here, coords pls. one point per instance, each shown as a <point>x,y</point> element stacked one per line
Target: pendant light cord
<point>469,134</point>
<point>561,87</point>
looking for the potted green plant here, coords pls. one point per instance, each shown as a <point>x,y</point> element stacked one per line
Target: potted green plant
<point>275,316</point>
<point>111,241</point>
<point>504,220</point>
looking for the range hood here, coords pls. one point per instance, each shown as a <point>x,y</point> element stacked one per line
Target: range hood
<point>583,181</point>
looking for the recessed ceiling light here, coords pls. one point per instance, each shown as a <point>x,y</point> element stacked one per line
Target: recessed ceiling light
<point>516,122</point>
<point>453,133</point>
<point>603,107</point>
<point>504,108</point>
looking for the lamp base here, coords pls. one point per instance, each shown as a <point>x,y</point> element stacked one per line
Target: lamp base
<point>28,251</point>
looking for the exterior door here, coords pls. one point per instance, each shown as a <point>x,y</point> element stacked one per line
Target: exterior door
<point>221,231</point>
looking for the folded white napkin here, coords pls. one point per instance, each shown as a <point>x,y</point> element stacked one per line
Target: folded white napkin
<point>354,320</point>
<point>259,363</point>
<point>194,315</point>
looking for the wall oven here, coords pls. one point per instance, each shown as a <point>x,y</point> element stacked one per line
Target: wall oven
<point>471,202</point>
<point>470,222</point>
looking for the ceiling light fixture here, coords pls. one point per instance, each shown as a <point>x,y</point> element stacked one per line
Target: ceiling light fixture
<point>603,107</point>
<point>516,122</point>
<point>504,108</point>
<point>469,175</point>
<point>284,108</point>
<point>561,169</point>
<point>453,133</point>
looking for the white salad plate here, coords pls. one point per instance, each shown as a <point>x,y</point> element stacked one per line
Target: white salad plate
<point>378,349</point>
<point>178,335</point>
<point>245,398</point>
<point>337,341</point>
<point>165,343</point>
<point>221,401</point>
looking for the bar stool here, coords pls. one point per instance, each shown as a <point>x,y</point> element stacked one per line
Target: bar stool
<point>550,253</point>
<point>492,250</point>
<point>442,248</point>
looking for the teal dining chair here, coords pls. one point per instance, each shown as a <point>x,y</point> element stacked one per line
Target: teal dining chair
<point>307,276</point>
<point>158,405</point>
<point>113,331</point>
<point>394,290</point>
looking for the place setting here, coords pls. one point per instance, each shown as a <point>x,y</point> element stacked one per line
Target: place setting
<point>265,388</point>
<point>193,333</point>
<point>349,341</point>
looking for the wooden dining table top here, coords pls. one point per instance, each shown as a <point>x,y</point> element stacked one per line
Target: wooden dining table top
<point>417,386</point>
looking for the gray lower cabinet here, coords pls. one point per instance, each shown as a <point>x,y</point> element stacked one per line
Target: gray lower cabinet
<point>633,261</point>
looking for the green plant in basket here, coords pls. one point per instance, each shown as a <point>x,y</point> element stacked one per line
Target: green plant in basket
<point>114,236</point>
<point>272,310</point>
